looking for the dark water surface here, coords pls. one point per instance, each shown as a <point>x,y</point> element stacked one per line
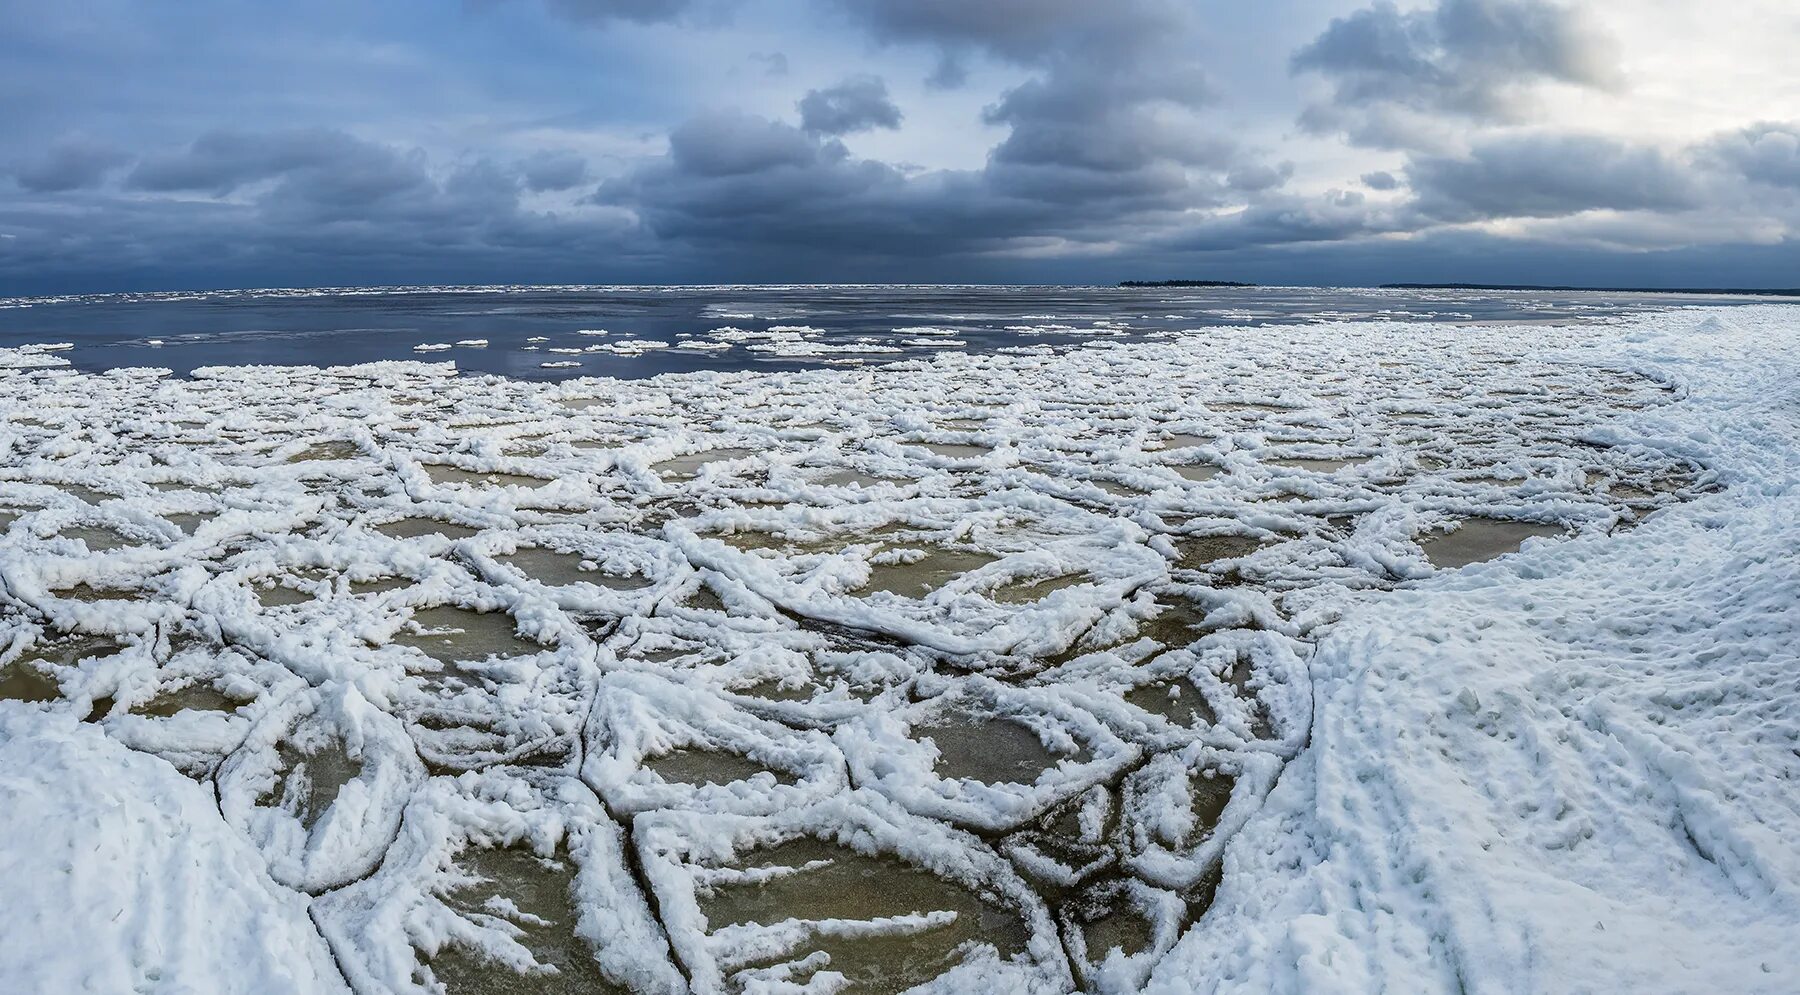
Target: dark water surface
<point>182,331</point>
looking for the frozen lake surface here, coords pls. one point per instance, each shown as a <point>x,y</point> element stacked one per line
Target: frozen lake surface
<point>559,333</point>
<point>1327,653</point>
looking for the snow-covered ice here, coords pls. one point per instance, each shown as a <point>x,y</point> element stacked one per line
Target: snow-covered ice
<point>1126,666</point>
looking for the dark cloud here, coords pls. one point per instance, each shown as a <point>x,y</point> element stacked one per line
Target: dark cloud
<point>1766,153</point>
<point>1107,141</point>
<point>731,143</point>
<point>335,163</point>
<point>547,170</point>
<point>638,11</point>
<point>1113,153</point>
<point>1472,58</point>
<point>735,185</point>
<point>1026,31</point>
<point>733,179</point>
<point>70,164</point>
<point>1285,220</point>
<point>1547,176</point>
<point>950,73</point>
<point>362,224</point>
<point>1109,129</point>
<point>1112,110</point>
<point>1257,177</point>
<point>860,103</point>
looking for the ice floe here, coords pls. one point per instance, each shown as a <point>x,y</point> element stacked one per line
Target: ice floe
<point>1123,664</point>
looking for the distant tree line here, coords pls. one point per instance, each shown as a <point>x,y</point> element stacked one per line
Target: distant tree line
<point>1795,292</point>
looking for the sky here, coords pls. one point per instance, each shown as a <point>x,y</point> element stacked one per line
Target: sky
<point>240,143</point>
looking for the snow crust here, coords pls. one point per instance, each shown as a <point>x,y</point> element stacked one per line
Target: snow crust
<point>1570,771</point>
<point>121,877</point>
<point>1130,632</point>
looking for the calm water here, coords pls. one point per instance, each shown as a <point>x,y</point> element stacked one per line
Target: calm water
<point>182,331</point>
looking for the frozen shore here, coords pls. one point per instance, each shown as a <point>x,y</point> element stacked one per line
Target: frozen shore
<point>1132,665</point>
<point>1574,771</point>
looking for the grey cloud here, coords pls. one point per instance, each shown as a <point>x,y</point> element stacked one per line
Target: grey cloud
<point>730,143</point>
<point>773,63</point>
<point>1111,112</point>
<point>950,73</point>
<point>1767,153</point>
<point>638,11</point>
<point>70,164</point>
<point>1381,179</point>
<point>1471,58</point>
<point>1081,131</point>
<point>1106,141</point>
<point>1280,221</point>
<point>363,211</point>
<point>548,171</point>
<point>1546,176</point>
<point>736,181</point>
<point>860,103</point>
<point>1257,177</point>
<point>1106,131</point>
<point>737,184</point>
<point>220,162</point>
<point>1024,30</point>
<point>322,177</point>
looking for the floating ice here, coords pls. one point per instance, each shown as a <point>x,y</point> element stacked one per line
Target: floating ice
<point>978,672</point>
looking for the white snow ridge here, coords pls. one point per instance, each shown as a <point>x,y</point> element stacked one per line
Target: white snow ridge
<point>1352,657</point>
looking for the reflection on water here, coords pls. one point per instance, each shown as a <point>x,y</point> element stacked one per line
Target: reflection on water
<point>444,474</point>
<point>458,635</point>
<point>1198,472</point>
<point>413,528</point>
<point>925,574</point>
<point>1109,921</point>
<point>559,569</point>
<point>315,774</point>
<point>689,465</point>
<point>848,478</point>
<point>97,539</point>
<point>838,883</point>
<point>1177,700</point>
<point>190,521</point>
<point>1475,540</point>
<point>710,767</point>
<point>193,697</point>
<point>534,896</point>
<point>32,678</point>
<point>1202,551</point>
<point>96,595</point>
<point>337,449</point>
<point>1029,591</point>
<point>1318,465</point>
<point>956,450</point>
<point>22,681</point>
<point>986,748</point>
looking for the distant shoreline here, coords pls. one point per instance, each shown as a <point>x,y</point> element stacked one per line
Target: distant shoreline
<point>1542,288</point>
<point>1734,291</point>
<point>1183,283</point>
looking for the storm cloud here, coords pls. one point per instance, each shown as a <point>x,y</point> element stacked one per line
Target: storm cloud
<point>1547,176</point>
<point>890,139</point>
<point>1475,59</point>
<point>857,104</point>
<point>70,164</point>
